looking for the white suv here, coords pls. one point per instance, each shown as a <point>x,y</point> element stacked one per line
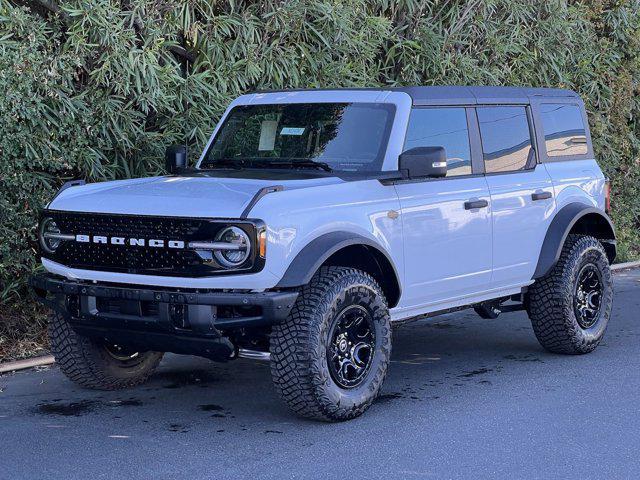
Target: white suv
<point>316,219</point>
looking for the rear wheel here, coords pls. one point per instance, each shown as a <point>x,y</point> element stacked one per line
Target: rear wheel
<point>330,357</point>
<point>570,307</point>
<point>96,365</point>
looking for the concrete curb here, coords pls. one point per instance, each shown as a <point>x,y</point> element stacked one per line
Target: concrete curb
<point>28,363</point>
<point>624,266</point>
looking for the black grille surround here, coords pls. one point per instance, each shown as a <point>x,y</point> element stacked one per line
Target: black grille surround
<point>146,260</point>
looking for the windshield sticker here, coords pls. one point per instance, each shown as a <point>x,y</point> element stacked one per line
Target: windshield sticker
<point>268,130</point>
<point>292,131</point>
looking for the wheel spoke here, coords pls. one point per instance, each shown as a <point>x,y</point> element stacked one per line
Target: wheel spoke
<point>351,346</point>
<point>588,295</point>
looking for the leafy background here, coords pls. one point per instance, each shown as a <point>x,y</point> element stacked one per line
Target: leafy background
<point>97,89</point>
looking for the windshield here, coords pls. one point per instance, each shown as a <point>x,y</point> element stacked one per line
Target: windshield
<point>328,136</point>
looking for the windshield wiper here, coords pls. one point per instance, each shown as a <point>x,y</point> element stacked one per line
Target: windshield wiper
<point>304,163</point>
<point>223,163</point>
<point>238,163</point>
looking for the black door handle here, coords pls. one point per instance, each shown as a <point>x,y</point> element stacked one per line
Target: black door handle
<point>540,196</point>
<point>472,204</point>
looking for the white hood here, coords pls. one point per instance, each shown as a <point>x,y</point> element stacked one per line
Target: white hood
<point>173,196</point>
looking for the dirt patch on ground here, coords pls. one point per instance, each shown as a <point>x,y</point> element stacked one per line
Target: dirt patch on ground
<point>23,332</point>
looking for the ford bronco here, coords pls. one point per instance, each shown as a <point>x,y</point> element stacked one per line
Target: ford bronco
<point>315,220</point>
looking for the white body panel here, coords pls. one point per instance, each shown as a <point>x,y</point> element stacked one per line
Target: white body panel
<point>519,223</point>
<point>449,247</point>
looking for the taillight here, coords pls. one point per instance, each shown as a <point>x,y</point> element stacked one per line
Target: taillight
<point>607,195</point>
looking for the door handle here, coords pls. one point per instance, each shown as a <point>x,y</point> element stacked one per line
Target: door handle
<point>473,204</point>
<point>540,196</point>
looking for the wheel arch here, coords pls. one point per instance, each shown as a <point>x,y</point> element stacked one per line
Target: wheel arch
<point>348,250</point>
<point>575,218</point>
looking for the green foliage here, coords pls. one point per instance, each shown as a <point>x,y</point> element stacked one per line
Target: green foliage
<point>97,89</point>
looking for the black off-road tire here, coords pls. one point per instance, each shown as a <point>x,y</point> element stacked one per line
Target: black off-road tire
<point>551,299</point>
<point>299,363</point>
<point>91,365</point>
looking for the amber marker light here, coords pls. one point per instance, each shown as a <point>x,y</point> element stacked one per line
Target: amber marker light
<point>262,241</point>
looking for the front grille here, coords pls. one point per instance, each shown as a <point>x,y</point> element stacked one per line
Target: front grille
<point>142,259</point>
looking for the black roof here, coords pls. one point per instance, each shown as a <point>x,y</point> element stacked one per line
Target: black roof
<point>462,95</point>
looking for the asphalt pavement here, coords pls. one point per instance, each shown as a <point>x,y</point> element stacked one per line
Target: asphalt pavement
<point>464,398</point>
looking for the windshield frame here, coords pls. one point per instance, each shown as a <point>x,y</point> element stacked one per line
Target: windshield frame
<point>378,163</point>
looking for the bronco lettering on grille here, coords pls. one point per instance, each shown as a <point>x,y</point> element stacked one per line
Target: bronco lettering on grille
<point>134,241</point>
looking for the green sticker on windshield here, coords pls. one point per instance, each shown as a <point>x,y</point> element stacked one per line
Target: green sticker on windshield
<point>292,131</point>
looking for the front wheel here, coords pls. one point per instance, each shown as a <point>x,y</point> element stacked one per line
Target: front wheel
<point>570,307</point>
<point>330,357</point>
<point>97,365</point>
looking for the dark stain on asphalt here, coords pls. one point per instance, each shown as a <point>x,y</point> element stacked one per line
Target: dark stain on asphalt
<point>523,358</point>
<point>73,409</point>
<point>76,409</point>
<point>473,373</point>
<point>272,431</point>
<point>387,397</point>
<point>185,379</point>
<point>132,402</point>
<point>218,415</point>
<point>211,407</point>
<point>177,427</point>
<point>443,326</point>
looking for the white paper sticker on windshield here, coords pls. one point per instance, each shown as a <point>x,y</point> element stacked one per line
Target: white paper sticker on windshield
<point>292,131</point>
<point>268,130</point>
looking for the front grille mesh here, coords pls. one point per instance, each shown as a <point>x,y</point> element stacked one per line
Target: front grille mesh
<point>137,259</point>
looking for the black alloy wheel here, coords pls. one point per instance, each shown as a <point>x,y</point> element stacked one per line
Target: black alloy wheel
<point>588,296</point>
<point>351,346</point>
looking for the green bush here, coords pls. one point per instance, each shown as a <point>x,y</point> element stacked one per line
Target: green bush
<point>97,89</point>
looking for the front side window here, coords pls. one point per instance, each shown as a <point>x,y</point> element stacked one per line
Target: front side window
<point>564,132</point>
<point>506,138</point>
<point>442,127</point>
<point>332,136</point>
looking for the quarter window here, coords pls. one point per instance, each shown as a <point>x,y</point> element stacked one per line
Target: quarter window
<point>442,127</point>
<point>564,132</point>
<point>506,138</point>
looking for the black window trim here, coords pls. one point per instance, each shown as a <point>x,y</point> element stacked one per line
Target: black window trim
<point>536,132</point>
<point>537,116</point>
<point>531,165</point>
<point>477,167</point>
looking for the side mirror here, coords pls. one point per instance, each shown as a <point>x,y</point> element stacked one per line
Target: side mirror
<point>424,162</point>
<point>175,158</point>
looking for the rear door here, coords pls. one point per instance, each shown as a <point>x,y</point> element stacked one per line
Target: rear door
<point>521,192</point>
<point>447,239</point>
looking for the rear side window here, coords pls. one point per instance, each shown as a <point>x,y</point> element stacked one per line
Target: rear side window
<point>506,138</point>
<point>563,127</point>
<point>442,127</point>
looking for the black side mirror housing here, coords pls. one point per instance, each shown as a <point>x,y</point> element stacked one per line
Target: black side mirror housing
<point>424,162</point>
<point>175,158</point>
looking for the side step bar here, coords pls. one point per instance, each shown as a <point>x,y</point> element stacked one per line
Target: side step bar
<point>254,354</point>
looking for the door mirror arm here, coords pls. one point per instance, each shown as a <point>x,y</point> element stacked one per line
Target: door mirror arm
<point>175,158</point>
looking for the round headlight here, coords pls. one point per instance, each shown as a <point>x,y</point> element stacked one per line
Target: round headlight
<point>239,247</point>
<point>48,227</point>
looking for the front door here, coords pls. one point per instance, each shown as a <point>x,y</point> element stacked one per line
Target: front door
<point>446,222</point>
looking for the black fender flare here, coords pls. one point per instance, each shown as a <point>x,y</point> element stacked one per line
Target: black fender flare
<point>317,251</point>
<point>559,229</point>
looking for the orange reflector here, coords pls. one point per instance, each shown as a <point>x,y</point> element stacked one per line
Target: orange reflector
<point>607,196</point>
<point>262,239</point>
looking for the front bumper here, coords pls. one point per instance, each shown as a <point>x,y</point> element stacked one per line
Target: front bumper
<point>180,321</point>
